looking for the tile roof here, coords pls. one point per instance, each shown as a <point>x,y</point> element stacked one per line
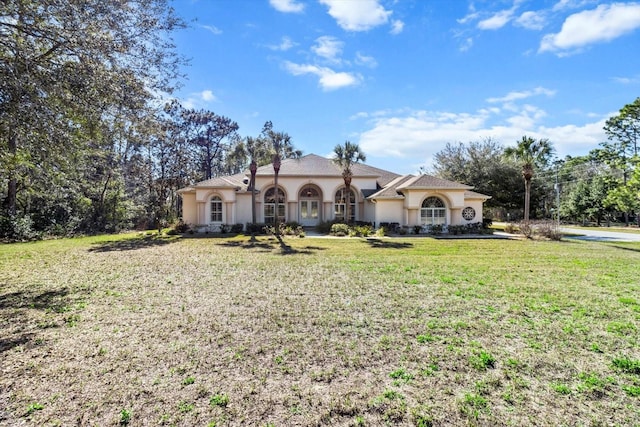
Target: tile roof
<point>474,195</point>
<point>231,181</point>
<point>431,183</point>
<point>390,184</point>
<point>393,190</point>
<point>390,191</point>
<point>314,165</point>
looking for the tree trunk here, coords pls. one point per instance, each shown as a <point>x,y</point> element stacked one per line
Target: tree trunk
<point>12,187</point>
<point>253,198</point>
<point>347,210</point>
<point>347,185</point>
<point>527,196</point>
<point>276,221</point>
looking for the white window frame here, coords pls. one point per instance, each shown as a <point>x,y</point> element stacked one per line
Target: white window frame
<point>340,207</point>
<point>270,206</point>
<point>431,213</point>
<point>216,216</point>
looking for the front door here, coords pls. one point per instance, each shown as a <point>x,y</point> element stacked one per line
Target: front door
<point>309,216</point>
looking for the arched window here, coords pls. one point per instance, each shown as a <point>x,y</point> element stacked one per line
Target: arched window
<point>216,209</point>
<point>433,211</point>
<point>309,192</point>
<point>340,205</point>
<point>270,206</point>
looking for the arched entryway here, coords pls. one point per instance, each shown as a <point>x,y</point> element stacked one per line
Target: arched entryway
<point>433,211</point>
<point>309,203</point>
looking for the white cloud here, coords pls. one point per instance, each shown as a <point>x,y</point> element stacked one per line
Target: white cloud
<point>420,134</point>
<point>284,45</point>
<point>213,29</point>
<point>531,20</point>
<point>627,80</point>
<point>328,79</point>
<point>287,6</point>
<point>466,44</point>
<point>514,96</point>
<point>329,48</point>
<point>360,15</point>
<point>396,27</point>
<point>497,21</point>
<point>471,16</point>
<point>199,99</point>
<point>367,61</point>
<point>207,95</point>
<point>571,4</point>
<point>602,24</point>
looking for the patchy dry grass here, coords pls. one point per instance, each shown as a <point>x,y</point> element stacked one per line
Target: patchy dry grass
<point>130,330</point>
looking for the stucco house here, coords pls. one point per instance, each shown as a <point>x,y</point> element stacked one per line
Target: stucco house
<point>311,190</point>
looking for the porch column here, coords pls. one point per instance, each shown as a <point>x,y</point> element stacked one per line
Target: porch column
<point>455,216</point>
<point>230,212</point>
<point>200,207</point>
<point>328,210</point>
<point>292,211</point>
<point>412,216</point>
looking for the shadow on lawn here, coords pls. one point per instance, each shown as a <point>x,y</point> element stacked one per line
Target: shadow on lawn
<point>388,244</point>
<point>52,300</point>
<point>626,248</point>
<point>132,244</point>
<point>271,245</point>
<point>13,310</point>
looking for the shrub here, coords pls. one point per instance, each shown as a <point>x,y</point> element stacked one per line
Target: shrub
<point>391,227</point>
<point>285,229</point>
<point>457,229</point>
<point>548,229</point>
<point>417,229</point>
<point>340,229</point>
<point>180,227</point>
<point>291,229</point>
<point>255,228</point>
<point>237,228</point>
<point>325,227</point>
<point>18,228</point>
<point>526,229</point>
<point>510,228</point>
<point>436,229</point>
<point>360,231</point>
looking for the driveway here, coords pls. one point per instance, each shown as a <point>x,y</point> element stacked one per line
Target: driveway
<point>599,235</point>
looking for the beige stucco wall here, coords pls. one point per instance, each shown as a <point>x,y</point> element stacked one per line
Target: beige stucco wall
<point>406,212</point>
<point>476,204</point>
<point>243,208</point>
<point>389,211</point>
<point>189,212</point>
<point>327,186</point>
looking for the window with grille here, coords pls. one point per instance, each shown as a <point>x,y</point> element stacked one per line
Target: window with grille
<point>270,206</point>
<point>340,206</point>
<point>433,211</point>
<point>216,209</point>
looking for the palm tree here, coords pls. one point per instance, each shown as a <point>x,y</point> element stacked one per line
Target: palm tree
<point>280,147</point>
<point>345,156</point>
<point>252,148</point>
<point>529,153</point>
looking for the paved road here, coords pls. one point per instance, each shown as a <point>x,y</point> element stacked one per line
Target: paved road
<point>600,235</point>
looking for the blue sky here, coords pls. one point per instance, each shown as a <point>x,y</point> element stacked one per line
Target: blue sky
<point>402,78</point>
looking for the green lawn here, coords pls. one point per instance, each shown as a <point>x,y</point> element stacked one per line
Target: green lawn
<point>136,330</point>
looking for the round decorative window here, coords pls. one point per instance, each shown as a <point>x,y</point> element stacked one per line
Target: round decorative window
<point>468,213</point>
